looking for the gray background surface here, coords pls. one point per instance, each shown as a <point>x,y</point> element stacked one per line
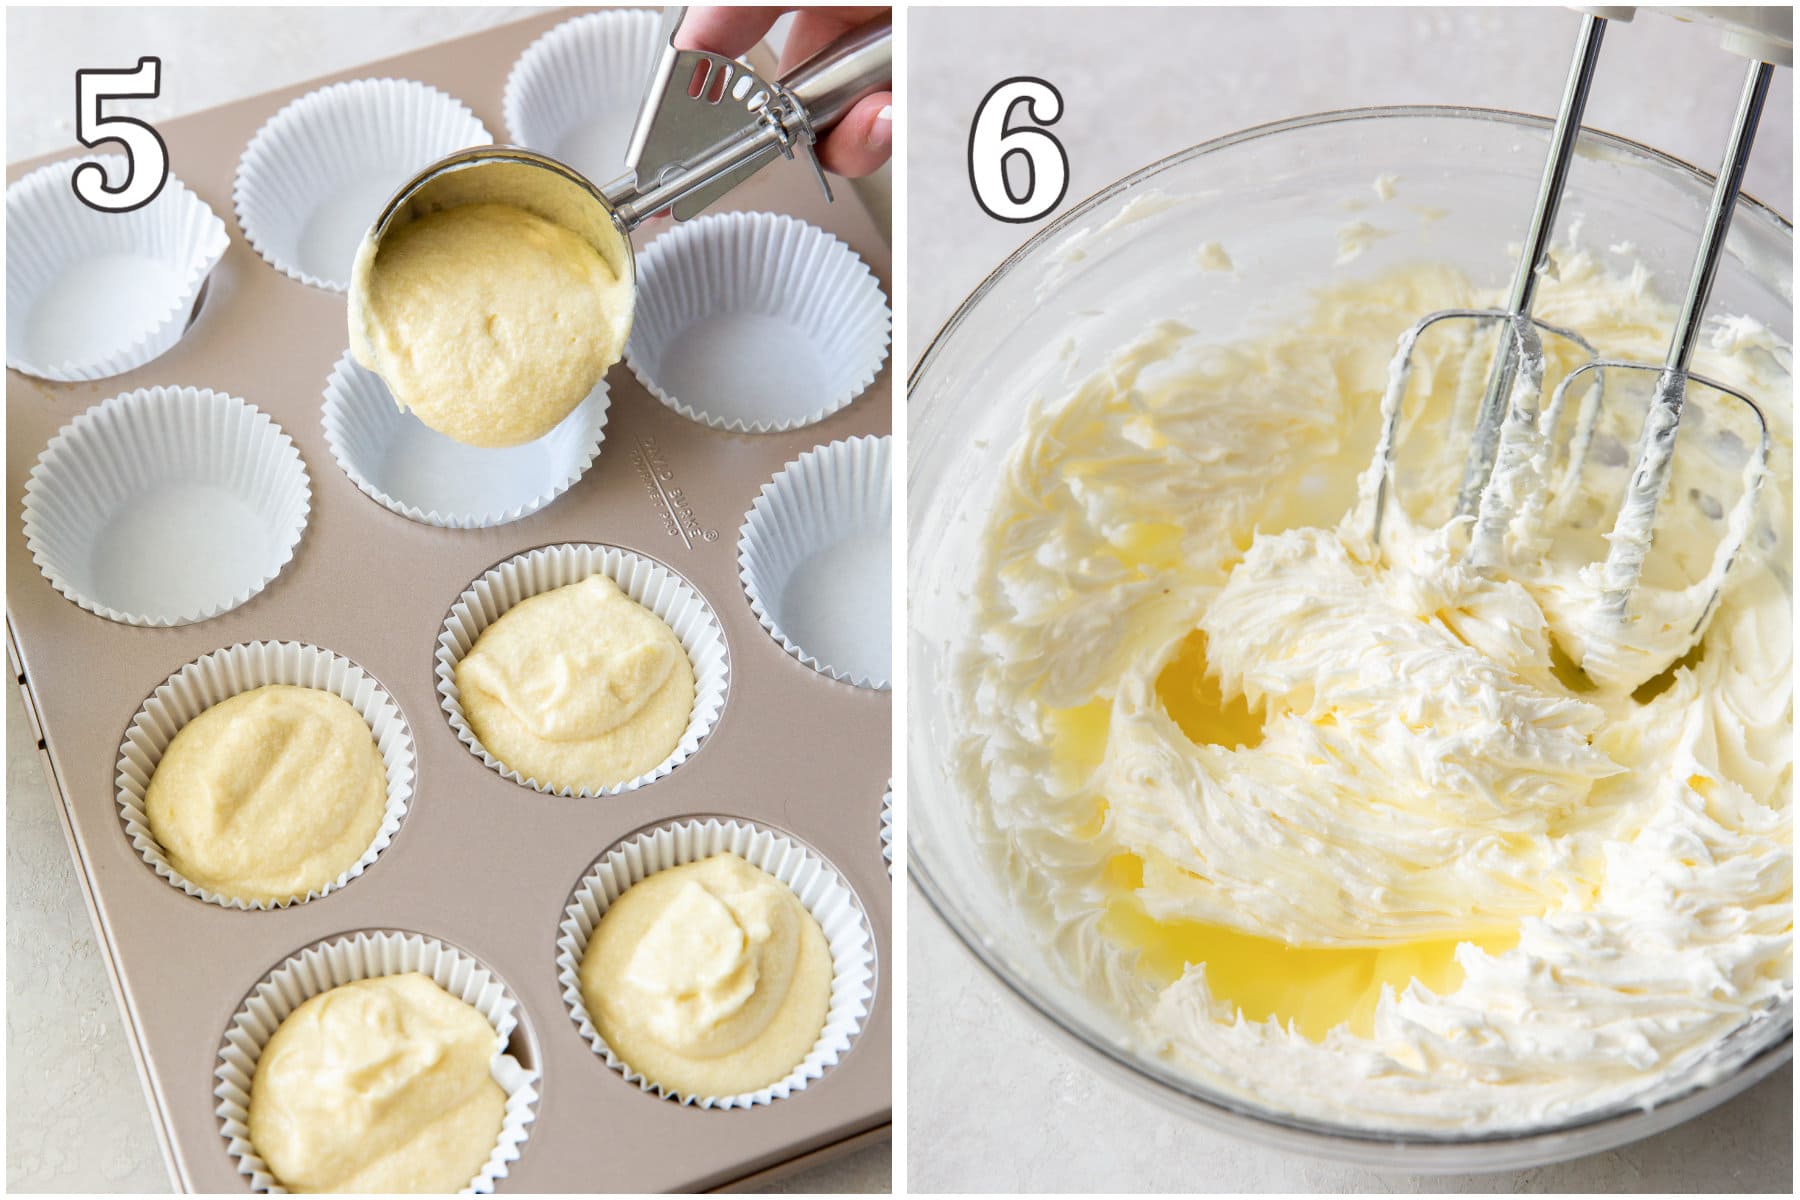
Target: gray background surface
<point>76,1120</point>
<point>1138,84</point>
<point>995,1102</point>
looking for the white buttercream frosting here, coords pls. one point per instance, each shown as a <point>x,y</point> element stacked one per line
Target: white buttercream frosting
<point>1580,829</point>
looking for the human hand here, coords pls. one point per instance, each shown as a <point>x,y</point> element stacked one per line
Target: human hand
<point>862,140</point>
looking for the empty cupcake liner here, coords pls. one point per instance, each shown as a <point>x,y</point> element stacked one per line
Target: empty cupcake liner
<point>887,828</point>
<point>815,555</point>
<point>425,476</point>
<point>166,506</point>
<point>318,173</point>
<point>756,323</point>
<point>646,581</point>
<point>223,674</point>
<point>816,882</point>
<point>574,93</point>
<point>91,294</point>
<point>346,959</point>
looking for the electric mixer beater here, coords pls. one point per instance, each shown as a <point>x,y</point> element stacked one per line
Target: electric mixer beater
<point>1502,473</point>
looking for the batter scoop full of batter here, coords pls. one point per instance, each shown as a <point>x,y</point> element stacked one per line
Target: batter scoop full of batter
<point>488,322</point>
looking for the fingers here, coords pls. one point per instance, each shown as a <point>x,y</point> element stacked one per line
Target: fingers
<point>864,138</point>
<point>862,141</point>
<point>814,27</point>
<point>727,31</point>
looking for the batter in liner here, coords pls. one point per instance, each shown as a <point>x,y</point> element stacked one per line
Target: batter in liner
<point>381,1085</point>
<point>710,978</point>
<point>268,795</point>
<point>1349,831</point>
<point>579,687</point>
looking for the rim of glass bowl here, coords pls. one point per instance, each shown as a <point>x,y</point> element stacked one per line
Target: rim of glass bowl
<point>1588,1133</point>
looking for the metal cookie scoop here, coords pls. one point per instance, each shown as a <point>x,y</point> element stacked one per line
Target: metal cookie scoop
<point>707,123</point>
<point>1495,478</point>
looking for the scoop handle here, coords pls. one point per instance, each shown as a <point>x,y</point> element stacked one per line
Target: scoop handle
<point>830,82</point>
<point>689,150</point>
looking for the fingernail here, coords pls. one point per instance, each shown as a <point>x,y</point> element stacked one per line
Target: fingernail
<point>886,113</point>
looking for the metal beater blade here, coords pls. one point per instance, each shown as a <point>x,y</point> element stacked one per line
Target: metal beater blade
<point>1629,542</point>
<point>1509,423</point>
<point>1501,397</point>
<point>1479,466</point>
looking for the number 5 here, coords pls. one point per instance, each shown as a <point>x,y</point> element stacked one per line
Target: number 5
<point>147,158</point>
<point>991,143</point>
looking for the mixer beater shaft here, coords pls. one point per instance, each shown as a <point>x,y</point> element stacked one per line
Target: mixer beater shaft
<point>1479,465</point>
<point>1500,482</point>
<point>1629,542</point>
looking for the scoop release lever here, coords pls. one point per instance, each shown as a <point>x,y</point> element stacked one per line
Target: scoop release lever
<point>709,122</point>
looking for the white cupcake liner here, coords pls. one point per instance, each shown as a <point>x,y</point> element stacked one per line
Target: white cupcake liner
<point>814,556</point>
<point>91,294</point>
<point>318,173</point>
<point>223,674</point>
<point>646,581</point>
<point>346,959</point>
<point>756,323</point>
<point>574,94</point>
<point>887,828</point>
<point>816,882</point>
<point>166,506</point>
<point>426,476</point>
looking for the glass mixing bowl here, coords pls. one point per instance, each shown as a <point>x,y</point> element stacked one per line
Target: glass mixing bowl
<point>1276,198</point>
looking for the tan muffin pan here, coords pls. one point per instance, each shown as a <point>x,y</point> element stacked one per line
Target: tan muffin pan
<point>480,863</point>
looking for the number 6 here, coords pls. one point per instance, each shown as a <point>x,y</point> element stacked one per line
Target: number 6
<point>147,158</point>
<point>991,143</point>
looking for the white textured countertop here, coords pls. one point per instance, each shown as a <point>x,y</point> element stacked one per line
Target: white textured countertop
<point>995,1102</point>
<point>76,1120</point>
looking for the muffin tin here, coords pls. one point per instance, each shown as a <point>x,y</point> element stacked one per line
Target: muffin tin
<point>480,863</point>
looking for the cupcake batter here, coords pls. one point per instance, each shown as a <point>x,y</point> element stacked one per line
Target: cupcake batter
<point>268,795</point>
<point>710,979</point>
<point>580,687</point>
<point>1348,830</point>
<point>490,323</point>
<point>381,1085</point>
